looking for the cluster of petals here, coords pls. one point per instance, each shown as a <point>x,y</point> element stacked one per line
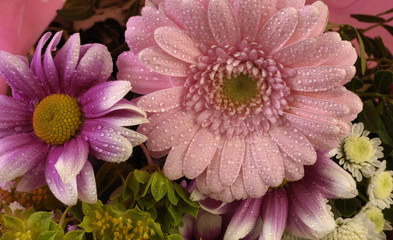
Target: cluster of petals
<point>80,72</point>
<point>380,188</point>
<point>298,207</point>
<point>181,54</point>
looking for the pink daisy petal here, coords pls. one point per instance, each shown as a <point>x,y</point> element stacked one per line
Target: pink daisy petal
<point>295,54</point>
<point>49,66</point>
<point>323,18</point>
<point>201,183</point>
<point>225,195</point>
<point>200,152</point>
<point>36,63</point>
<point>345,55</point>
<point>267,158</point>
<point>173,167</point>
<point>155,119</point>
<point>13,114</point>
<point>293,143</point>
<point>290,3</point>
<point>154,19</point>
<point>278,30</point>
<point>252,180</point>
<point>173,10</point>
<point>184,50</point>
<point>213,171</point>
<point>176,129</point>
<point>163,100</point>
<point>223,23</point>
<point>238,188</point>
<point>231,160</point>
<point>293,171</point>
<point>274,214</point>
<point>268,9</point>
<point>160,62</point>
<point>72,159</point>
<point>249,14</point>
<point>308,18</point>
<point>32,179</point>
<point>19,154</point>
<point>137,35</point>
<point>142,79</point>
<point>86,183</point>
<point>65,192</point>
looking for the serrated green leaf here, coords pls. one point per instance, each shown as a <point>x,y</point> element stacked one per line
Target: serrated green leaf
<point>14,223</point>
<point>171,194</point>
<point>346,207</point>
<point>176,214</point>
<point>368,18</point>
<point>369,116</point>
<point>383,79</point>
<point>77,13</point>
<point>74,235</point>
<point>39,222</point>
<point>47,235</point>
<point>159,186</point>
<point>87,224</point>
<point>141,176</point>
<point>174,237</point>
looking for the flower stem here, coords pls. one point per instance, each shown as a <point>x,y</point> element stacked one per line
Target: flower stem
<point>63,216</point>
<point>147,154</point>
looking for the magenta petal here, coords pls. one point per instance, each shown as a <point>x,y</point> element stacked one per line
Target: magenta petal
<point>14,114</point>
<point>249,14</point>
<point>308,215</point>
<point>217,207</point>
<point>87,190</point>
<point>36,63</point>
<point>32,179</point>
<point>223,23</point>
<point>103,96</point>
<point>20,78</point>
<point>72,159</point>
<point>65,192</point>
<point>49,65</point>
<point>244,219</point>
<point>274,214</point>
<point>207,226</point>
<point>20,153</point>
<point>137,36</point>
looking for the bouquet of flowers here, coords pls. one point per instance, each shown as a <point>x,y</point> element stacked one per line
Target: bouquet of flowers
<point>196,119</point>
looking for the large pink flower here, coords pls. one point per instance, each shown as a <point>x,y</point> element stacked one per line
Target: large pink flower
<point>62,110</point>
<point>240,92</point>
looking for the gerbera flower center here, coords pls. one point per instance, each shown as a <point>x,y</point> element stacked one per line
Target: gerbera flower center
<point>57,118</point>
<point>383,185</point>
<point>240,89</point>
<point>358,149</point>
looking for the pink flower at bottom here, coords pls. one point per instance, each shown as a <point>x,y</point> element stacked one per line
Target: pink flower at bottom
<point>240,93</point>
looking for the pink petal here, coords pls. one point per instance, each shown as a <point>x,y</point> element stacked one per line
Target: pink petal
<point>86,183</point>
<point>267,158</point>
<point>296,53</point>
<point>293,171</point>
<point>323,18</point>
<point>173,167</point>
<point>231,159</point>
<point>160,62</point>
<point>184,49</point>
<point>290,3</point>
<point>154,19</point>
<point>244,219</point>
<point>50,69</point>
<point>268,9</point>
<point>14,114</point>
<point>20,153</point>
<point>72,159</point>
<point>345,55</point>
<point>202,184</point>
<point>293,143</point>
<point>142,79</point>
<point>163,100</point>
<point>32,179</point>
<point>217,207</point>
<point>225,195</point>
<point>318,78</point>
<point>207,226</point>
<point>195,19</point>
<point>238,189</point>
<point>175,129</point>
<point>213,170</point>
<point>103,96</point>
<point>155,119</point>
<point>223,23</point>
<point>36,63</point>
<point>274,214</point>
<point>249,14</point>
<point>277,31</point>
<point>65,192</point>
<point>200,152</point>
<point>137,36</point>
<point>173,11</point>
<point>252,180</point>
<point>308,18</point>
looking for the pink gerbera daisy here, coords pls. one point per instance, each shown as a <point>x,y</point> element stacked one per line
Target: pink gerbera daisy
<point>240,92</point>
<point>63,109</point>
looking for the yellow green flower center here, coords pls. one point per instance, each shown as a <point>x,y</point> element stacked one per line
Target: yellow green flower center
<point>383,185</point>
<point>240,89</point>
<point>57,118</point>
<point>376,216</point>
<point>358,149</point>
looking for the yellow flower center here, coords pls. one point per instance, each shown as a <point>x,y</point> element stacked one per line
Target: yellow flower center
<point>358,149</point>
<point>240,89</point>
<point>376,216</point>
<point>57,118</point>
<point>383,185</point>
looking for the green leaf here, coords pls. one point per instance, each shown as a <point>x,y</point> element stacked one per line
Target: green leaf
<point>176,214</point>
<point>47,235</point>
<point>383,79</point>
<point>388,28</point>
<point>87,224</point>
<point>8,236</point>
<point>171,194</point>
<point>39,222</point>
<point>363,60</point>
<point>74,235</point>
<point>368,18</point>
<point>147,186</point>
<point>346,207</point>
<point>14,223</point>
<point>77,211</point>
<point>56,228</point>
<point>159,186</point>
<point>386,12</point>
<point>388,214</point>
<point>131,187</point>
<point>141,176</point>
<point>174,237</point>
<point>77,13</point>
<point>369,116</point>
<point>355,84</point>
<point>185,196</point>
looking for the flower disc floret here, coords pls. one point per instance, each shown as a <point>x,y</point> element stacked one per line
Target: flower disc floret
<point>358,149</point>
<point>57,118</point>
<point>376,216</point>
<point>383,185</point>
